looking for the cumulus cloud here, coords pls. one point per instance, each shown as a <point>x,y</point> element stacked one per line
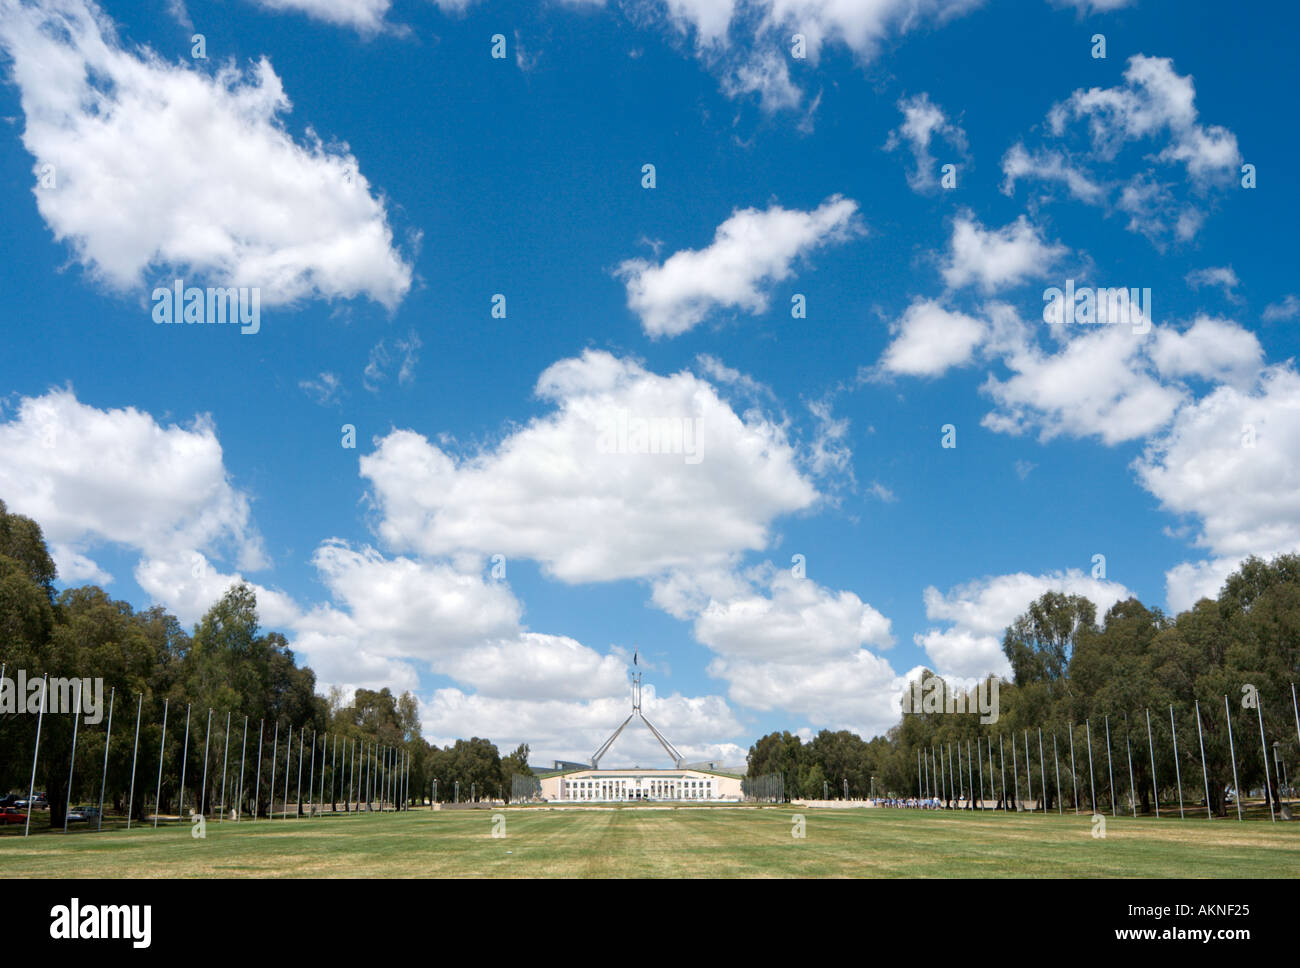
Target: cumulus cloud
<point>750,250</point>
<point>978,612</point>
<point>1229,461</point>
<point>577,490</point>
<point>929,340</point>
<point>994,258</point>
<point>162,168</point>
<point>1212,349</point>
<point>1098,384</point>
<point>77,470</point>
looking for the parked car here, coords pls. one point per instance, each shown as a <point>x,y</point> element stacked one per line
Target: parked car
<point>83,814</point>
<point>12,815</point>
<point>10,799</point>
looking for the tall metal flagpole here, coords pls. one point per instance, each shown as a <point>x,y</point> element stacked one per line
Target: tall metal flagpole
<point>180,809</point>
<point>1042,768</point>
<point>1151,748</point>
<point>243,750</point>
<point>1263,746</point>
<point>992,787</point>
<point>130,805</point>
<point>920,786</point>
<point>257,789</point>
<point>103,777</point>
<point>36,752</point>
<point>324,743</point>
<point>203,793</point>
<point>76,720</point>
<point>970,775</point>
<point>162,745</point>
<point>352,772</point>
<point>1132,789</point>
<point>1205,774</point>
<point>1178,770</point>
<point>311,777</point>
<point>334,755</point>
<point>1092,780</point>
<point>1110,766</point>
<point>961,782</point>
<point>288,757</point>
<point>1074,774</point>
<point>1232,752</point>
<point>298,805</point>
<point>1028,767</point>
<point>1015,771</point>
<point>979,755</point>
<point>1056,761</point>
<point>1002,765</point>
<point>943,785</point>
<point>275,751</point>
<point>952,777</point>
<point>225,763</point>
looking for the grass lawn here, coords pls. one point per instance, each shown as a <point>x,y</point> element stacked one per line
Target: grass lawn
<point>681,842</point>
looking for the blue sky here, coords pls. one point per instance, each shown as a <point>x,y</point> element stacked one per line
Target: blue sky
<point>378,177</point>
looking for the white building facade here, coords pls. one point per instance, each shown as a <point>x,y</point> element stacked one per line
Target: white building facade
<point>622,786</point>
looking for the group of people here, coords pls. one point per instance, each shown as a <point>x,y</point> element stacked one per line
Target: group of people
<point>912,803</point>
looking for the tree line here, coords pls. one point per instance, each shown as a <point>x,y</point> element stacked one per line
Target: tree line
<point>1071,672</point>
<point>148,662</point>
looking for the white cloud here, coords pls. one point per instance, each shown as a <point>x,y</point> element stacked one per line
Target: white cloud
<point>365,16</point>
<point>1287,308</point>
<point>923,120</point>
<point>164,169</point>
<point>94,477</point>
<point>800,622</point>
<point>325,389</point>
<point>1098,384</point>
<point>750,250</point>
<point>559,729</point>
<point>547,491</point>
<point>405,353</point>
<point>1222,276</point>
<point>978,612</point>
<point>1094,6</point>
<point>858,691</point>
<point>999,257</point>
<point>1212,349</point>
<point>929,340</point>
<point>1230,461</point>
<point>1047,165</point>
<point>1154,104</point>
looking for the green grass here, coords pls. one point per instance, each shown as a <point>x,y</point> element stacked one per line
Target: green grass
<point>681,842</point>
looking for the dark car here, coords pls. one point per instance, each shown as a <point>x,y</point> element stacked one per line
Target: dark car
<point>10,799</point>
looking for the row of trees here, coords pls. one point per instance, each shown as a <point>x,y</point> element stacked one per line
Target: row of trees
<point>1070,669</point>
<point>147,661</point>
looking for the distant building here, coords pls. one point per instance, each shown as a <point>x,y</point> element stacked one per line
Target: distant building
<point>621,786</point>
